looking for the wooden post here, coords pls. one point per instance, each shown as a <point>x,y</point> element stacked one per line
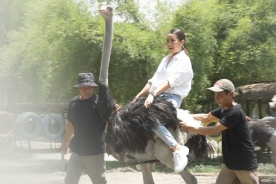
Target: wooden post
<point>247,108</point>
<point>63,167</point>
<point>259,102</point>
<point>62,161</point>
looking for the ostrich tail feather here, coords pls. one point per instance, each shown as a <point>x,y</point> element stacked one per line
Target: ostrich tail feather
<point>212,147</point>
<point>198,145</point>
<point>184,115</point>
<point>261,132</point>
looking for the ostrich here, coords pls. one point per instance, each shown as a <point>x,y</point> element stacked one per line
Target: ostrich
<point>263,131</point>
<point>129,137</point>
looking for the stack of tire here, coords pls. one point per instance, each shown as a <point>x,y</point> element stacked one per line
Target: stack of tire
<point>7,124</point>
<point>30,125</point>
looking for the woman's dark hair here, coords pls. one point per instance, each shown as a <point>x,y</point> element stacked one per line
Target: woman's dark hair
<point>181,36</point>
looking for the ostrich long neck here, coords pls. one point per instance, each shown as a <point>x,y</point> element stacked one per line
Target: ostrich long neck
<point>106,51</point>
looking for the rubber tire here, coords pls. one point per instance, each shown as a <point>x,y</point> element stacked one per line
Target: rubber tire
<point>11,120</point>
<point>21,123</point>
<point>47,120</point>
<point>215,138</point>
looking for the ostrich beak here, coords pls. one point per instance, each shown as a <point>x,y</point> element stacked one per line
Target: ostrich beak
<point>106,13</point>
<point>106,9</point>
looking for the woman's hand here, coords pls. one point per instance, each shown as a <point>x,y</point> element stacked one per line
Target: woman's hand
<point>117,108</point>
<point>149,101</point>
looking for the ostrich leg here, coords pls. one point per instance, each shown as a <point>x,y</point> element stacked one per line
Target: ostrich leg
<point>188,177</point>
<point>147,175</point>
<point>272,145</point>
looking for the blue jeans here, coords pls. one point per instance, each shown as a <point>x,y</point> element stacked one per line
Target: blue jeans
<point>160,130</point>
<point>173,98</point>
<point>163,133</point>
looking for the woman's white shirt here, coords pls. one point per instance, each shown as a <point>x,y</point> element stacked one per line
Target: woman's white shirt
<point>178,73</point>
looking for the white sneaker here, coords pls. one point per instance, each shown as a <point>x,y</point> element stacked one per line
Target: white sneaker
<point>180,158</point>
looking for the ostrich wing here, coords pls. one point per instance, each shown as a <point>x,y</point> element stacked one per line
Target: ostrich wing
<point>130,129</point>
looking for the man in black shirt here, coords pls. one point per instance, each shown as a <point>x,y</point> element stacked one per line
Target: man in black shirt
<point>86,127</point>
<point>239,159</point>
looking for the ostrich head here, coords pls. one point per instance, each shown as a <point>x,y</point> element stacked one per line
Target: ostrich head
<point>107,14</point>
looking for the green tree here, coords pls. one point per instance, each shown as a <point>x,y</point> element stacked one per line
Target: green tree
<point>246,52</point>
<point>199,26</point>
<point>58,40</point>
<point>51,41</point>
<point>49,50</point>
<point>12,15</point>
<point>228,39</point>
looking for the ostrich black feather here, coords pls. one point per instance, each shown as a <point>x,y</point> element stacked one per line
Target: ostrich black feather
<point>198,144</point>
<point>261,132</point>
<point>106,104</point>
<point>130,128</point>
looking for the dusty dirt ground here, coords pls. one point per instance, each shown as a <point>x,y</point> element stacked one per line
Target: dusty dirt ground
<point>43,164</point>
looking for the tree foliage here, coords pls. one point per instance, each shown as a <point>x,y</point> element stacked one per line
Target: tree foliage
<point>12,13</point>
<point>246,52</point>
<point>199,26</point>
<point>54,42</point>
<point>228,39</point>
<point>60,39</point>
<point>45,44</point>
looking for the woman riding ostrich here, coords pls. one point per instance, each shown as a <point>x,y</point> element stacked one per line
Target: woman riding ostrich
<point>129,132</point>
